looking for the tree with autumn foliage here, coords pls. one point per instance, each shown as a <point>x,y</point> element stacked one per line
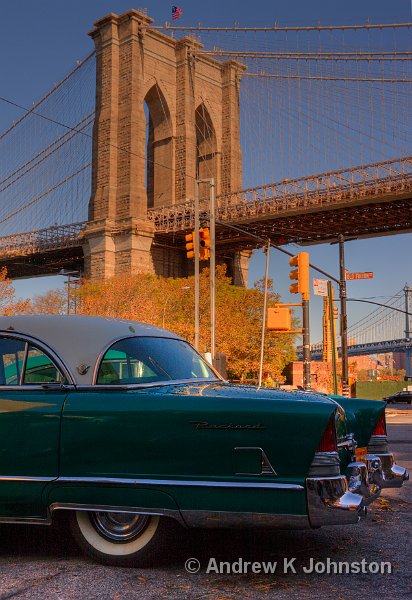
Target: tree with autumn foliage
<point>8,303</point>
<point>169,303</point>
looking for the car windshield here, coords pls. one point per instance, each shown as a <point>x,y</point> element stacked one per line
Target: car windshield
<point>151,359</point>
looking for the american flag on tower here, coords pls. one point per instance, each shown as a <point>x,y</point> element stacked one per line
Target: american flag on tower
<point>176,12</point>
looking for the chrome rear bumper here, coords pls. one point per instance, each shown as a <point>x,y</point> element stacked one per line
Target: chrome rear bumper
<point>331,503</point>
<point>341,500</point>
<point>393,474</point>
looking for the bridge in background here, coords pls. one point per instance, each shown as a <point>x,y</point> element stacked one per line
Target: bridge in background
<point>387,329</point>
<point>365,201</point>
<point>321,111</point>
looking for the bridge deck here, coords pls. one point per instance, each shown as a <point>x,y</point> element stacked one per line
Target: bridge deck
<point>370,200</point>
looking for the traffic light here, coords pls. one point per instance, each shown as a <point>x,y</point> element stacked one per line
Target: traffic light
<point>204,243</point>
<point>301,275</point>
<point>190,245</point>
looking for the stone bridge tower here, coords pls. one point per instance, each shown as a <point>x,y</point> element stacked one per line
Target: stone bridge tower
<point>165,115</point>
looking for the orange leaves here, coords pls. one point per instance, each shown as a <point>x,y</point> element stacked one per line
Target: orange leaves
<point>169,303</point>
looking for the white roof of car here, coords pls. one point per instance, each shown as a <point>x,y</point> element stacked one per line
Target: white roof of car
<point>78,340</point>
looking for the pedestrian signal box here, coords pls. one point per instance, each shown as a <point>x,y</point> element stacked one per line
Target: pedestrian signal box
<point>279,319</point>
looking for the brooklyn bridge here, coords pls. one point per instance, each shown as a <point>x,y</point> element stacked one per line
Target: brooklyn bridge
<point>305,130</point>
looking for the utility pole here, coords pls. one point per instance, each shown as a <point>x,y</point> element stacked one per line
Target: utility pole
<point>212,226</point>
<point>332,337</point>
<point>343,317</point>
<point>197,268</point>
<point>408,327</point>
<point>265,303</point>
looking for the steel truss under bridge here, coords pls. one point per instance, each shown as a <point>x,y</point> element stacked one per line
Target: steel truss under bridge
<point>373,199</point>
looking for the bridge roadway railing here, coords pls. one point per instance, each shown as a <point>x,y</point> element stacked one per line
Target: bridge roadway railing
<point>400,345</point>
<point>392,177</point>
<point>43,240</point>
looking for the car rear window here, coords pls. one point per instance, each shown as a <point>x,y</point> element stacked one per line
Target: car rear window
<point>151,359</point>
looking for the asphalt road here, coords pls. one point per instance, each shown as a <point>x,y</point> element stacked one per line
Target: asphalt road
<point>43,563</point>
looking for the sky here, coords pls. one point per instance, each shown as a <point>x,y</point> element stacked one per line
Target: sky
<point>42,40</point>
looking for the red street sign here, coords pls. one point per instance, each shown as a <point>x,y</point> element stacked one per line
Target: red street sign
<point>364,275</point>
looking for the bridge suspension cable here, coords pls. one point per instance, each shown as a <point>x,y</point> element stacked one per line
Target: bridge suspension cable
<point>381,324</point>
<point>285,29</point>
<point>312,100</point>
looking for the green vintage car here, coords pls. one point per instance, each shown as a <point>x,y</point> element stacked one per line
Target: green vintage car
<point>125,428</point>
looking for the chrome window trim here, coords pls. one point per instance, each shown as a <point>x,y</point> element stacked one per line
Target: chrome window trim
<point>133,386</point>
<point>181,483</point>
<point>44,348</point>
<point>27,478</point>
<point>23,367</point>
<point>128,337</point>
<point>39,386</point>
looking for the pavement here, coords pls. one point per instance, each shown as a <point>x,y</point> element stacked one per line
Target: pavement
<point>39,563</point>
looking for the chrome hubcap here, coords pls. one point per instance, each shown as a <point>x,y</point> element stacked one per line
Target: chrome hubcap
<point>119,527</point>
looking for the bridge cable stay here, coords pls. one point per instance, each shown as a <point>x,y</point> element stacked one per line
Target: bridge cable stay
<point>310,105</point>
<point>324,98</point>
<point>45,167</point>
<point>381,324</point>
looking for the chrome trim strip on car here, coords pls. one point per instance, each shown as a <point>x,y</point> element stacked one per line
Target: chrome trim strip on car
<point>181,483</point>
<point>214,519</point>
<point>348,442</point>
<point>26,478</point>
<point>325,464</point>
<point>26,520</point>
<point>134,386</point>
<point>51,386</point>
<point>378,444</point>
<point>169,337</point>
<point>46,349</point>
<point>164,512</point>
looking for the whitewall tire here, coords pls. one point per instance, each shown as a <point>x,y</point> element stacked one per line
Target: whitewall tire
<point>120,539</point>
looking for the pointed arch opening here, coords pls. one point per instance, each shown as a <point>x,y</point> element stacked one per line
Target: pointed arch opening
<point>159,149</point>
<point>205,147</point>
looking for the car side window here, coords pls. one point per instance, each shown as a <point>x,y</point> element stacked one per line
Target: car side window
<point>40,368</point>
<point>11,360</point>
<point>22,363</point>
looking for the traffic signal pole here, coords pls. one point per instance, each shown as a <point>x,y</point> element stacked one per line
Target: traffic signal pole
<point>302,287</point>
<point>306,344</point>
<point>197,268</point>
<point>212,226</point>
<point>265,301</point>
<point>333,337</point>
<point>343,318</point>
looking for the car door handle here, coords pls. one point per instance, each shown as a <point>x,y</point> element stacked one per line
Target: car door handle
<point>53,386</point>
